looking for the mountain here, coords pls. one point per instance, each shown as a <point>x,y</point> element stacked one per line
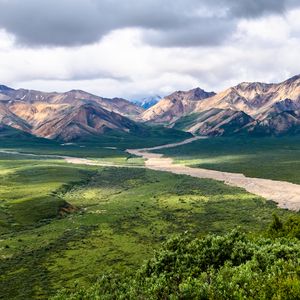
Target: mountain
<point>4,88</point>
<point>274,107</point>
<point>286,122</point>
<point>10,119</point>
<point>73,97</point>
<point>65,116</point>
<point>249,107</point>
<point>254,98</point>
<point>174,106</point>
<point>147,102</point>
<point>82,121</point>
<point>276,124</point>
<point>214,122</point>
<point>278,107</point>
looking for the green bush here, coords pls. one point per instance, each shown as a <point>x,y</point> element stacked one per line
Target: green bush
<point>232,266</point>
<point>289,228</point>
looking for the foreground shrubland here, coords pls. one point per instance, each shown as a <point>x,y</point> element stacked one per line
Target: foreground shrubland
<point>232,266</point>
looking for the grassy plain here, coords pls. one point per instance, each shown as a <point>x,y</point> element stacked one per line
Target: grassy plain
<point>63,225</point>
<point>110,145</point>
<point>272,158</point>
<point>122,216</point>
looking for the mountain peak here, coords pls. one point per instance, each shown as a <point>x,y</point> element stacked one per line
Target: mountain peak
<point>147,102</point>
<point>74,91</point>
<point>176,105</point>
<point>197,89</point>
<point>292,79</point>
<point>191,95</point>
<point>5,88</point>
<point>251,85</point>
<point>202,94</point>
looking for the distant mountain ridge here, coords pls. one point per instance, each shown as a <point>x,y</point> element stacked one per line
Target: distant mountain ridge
<point>174,106</point>
<point>147,102</point>
<point>254,97</point>
<point>249,107</point>
<point>65,116</point>
<point>118,105</point>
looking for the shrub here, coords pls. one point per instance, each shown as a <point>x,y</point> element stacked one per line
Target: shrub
<point>215,267</point>
<point>289,228</point>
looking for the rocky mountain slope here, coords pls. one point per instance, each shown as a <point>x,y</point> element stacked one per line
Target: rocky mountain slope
<point>214,122</point>
<point>248,108</point>
<point>83,120</point>
<point>65,116</point>
<point>174,106</point>
<point>10,119</point>
<point>73,97</point>
<point>255,108</point>
<point>279,123</point>
<point>255,98</point>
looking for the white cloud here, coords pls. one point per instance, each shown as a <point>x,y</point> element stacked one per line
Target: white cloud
<point>123,64</point>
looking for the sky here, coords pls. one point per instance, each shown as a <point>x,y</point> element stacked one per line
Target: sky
<point>138,48</point>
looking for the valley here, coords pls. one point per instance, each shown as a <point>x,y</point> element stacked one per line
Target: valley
<point>149,150</point>
<point>284,194</point>
<point>275,158</point>
<point>86,220</point>
<point>92,187</point>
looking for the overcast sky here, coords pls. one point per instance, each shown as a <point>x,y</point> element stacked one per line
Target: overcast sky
<point>135,48</point>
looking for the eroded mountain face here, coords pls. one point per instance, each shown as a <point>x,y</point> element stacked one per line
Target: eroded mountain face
<point>256,108</point>
<point>174,106</point>
<point>65,116</point>
<point>254,98</point>
<point>214,122</point>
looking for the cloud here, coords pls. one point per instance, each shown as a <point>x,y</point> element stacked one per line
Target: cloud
<point>166,23</point>
<point>204,47</point>
<point>206,32</point>
<point>255,8</point>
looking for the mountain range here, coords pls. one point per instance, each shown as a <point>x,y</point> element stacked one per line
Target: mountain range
<point>65,116</point>
<point>248,108</point>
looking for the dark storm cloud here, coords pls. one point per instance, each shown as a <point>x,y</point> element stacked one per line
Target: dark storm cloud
<point>206,31</point>
<point>168,22</point>
<point>255,8</point>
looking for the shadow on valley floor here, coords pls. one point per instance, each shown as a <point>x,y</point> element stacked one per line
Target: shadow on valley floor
<point>271,158</point>
<point>123,216</point>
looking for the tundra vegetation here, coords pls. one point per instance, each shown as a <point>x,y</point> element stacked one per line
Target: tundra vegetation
<point>274,158</point>
<point>86,232</point>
